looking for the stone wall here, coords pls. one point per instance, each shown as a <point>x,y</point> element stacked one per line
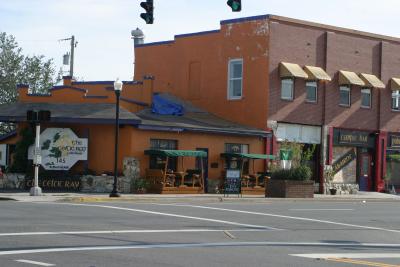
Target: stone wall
<point>89,183</point>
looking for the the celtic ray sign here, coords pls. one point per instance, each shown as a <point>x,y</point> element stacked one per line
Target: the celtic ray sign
<point>60,148</point>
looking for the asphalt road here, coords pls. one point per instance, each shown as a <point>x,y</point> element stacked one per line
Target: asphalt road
<point>276,233</point>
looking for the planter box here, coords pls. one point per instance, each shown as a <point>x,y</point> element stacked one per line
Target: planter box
<point>289,189</point>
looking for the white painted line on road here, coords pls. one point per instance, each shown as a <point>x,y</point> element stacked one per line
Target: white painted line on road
<point>287,217</point>
<point>168,214</point>
<point>36,263</point>
<point>197,245</point>
<point>322,209</point>
<point>129,231</point>
<point>348,255</point>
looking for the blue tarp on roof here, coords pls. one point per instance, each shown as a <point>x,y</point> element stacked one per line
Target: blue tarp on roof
<point>165,106</point>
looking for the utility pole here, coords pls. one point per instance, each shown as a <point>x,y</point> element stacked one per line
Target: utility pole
<point>73,45</point>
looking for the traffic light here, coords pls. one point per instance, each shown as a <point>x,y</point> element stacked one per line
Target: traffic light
<point>149,7</point>
<point>236,5</point>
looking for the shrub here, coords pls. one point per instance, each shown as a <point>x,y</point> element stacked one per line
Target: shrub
<point>300,173</point>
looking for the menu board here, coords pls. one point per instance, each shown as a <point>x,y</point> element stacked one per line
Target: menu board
<point>232,183</point>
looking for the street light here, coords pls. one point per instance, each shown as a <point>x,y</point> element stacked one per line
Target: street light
<point>117,89</point>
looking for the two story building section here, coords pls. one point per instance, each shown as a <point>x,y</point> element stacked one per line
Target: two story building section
<point>331,88</point>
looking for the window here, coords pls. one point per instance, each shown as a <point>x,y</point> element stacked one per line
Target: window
<point>344,95</point>
<point>235,163</point>
<point>396,100</point>
<point>158,162</point>
<point>287,89</point>
<point>311,91</point>
<point>235,77</point>
<point>366,97</point>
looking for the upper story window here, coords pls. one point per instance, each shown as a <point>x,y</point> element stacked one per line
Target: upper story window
<point>344,95</point>
<point>311,91</point>
<point>235,78</point>
<point>396,100</point>
<point>287,85</point>
<point>366,97</point>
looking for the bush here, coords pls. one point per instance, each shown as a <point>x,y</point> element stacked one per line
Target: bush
<point>300,173</point>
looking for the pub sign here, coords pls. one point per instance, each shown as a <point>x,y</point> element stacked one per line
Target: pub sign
<point>60,148</point>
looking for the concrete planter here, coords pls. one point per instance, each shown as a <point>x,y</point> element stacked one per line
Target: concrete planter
<point>289,189</point>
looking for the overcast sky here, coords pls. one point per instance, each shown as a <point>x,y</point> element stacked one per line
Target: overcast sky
<point>102,27</point>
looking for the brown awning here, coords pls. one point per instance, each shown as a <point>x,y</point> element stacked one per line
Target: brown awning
<point>371,80</point>
<point>349,77</point>
<point>395,84</point>
<point>291,70</point>
<point>316,73</point>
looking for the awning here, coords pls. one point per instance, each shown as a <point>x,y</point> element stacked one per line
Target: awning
<point>288,70</point>
<point>372,81</point>
<point>349,77</point>
<point>247,156</point>
<point>176,153</point>
<point>395,84</point>
<point>316,73</point>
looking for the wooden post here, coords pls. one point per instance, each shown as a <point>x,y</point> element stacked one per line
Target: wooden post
<point>165,170</point>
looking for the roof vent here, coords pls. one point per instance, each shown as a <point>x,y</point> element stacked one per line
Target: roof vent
<point>137,36</point>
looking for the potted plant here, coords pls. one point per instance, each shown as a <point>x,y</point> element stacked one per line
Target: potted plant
<point>329,175</point>
<point>293,178</point>
<point>140,186</point>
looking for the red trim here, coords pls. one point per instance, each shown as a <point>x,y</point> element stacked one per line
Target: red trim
<point>329,157</point>
<point>380,161</point>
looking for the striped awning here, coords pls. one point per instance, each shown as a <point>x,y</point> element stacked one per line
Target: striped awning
<point>395,84</point>
<point>288,70</point>
<point>349,78</point>
<point>371,80</point>
<point>316,73</point>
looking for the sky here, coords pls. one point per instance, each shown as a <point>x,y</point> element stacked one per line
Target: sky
<point>102,28</point>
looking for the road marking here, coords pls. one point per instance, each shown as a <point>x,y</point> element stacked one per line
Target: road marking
<point>197,245</point>
<point>348,255</point>
<point>363,263</point>
<point>170,215</point>
<point>36,263</point>
<point>129,231</point>
<point>322,209</point>
<point>287,217</point>
<point>229,235</point>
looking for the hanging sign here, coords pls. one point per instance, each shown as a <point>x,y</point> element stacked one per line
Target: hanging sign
<point>60,149</point>
<point>343,161</point>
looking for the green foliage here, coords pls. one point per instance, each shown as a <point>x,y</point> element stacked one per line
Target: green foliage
<point>16,68</point>
<point>20,163</point>
<point>140,184</point>
<point>300,173</point>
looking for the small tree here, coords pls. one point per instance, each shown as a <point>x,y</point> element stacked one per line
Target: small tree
<point>15,68</point>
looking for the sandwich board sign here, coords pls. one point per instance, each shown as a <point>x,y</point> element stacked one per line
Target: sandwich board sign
<point>60,149</point>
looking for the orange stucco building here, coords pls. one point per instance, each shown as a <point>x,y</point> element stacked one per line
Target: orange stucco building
<point>88,109</point>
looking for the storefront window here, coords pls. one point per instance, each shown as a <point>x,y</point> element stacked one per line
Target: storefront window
<point>158,162</point>
<point>234,163</point>
<point>393,168</point>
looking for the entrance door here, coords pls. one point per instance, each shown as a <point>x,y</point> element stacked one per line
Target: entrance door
<point>365,172</point>
<point>205,167</point>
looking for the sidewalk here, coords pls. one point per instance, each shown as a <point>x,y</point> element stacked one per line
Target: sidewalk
<point>103,197</point>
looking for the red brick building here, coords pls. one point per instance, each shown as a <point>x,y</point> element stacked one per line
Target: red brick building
<point>310,83</point>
